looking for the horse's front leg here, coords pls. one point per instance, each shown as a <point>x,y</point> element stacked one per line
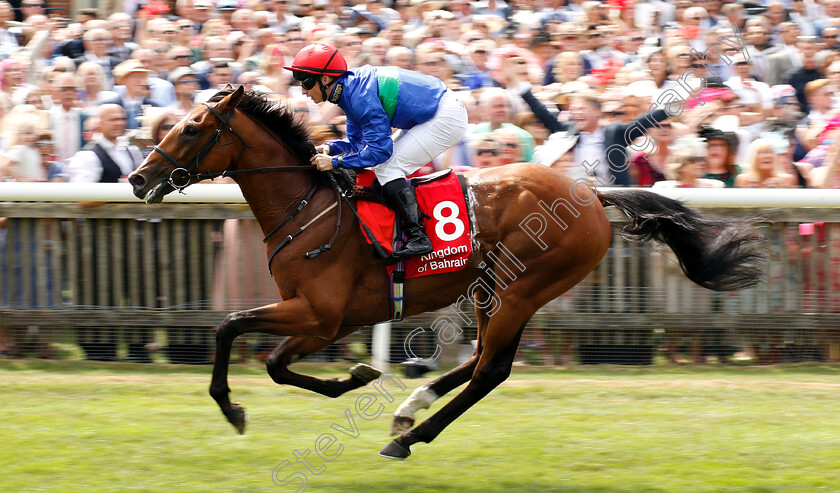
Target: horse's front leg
<point>293,317</point>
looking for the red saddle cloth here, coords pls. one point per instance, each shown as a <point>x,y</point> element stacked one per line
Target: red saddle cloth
<point>449,226</point>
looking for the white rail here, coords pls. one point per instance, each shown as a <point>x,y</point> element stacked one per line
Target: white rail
<point>230,194</point>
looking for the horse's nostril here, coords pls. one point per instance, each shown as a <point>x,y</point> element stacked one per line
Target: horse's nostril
<point>136,180</point>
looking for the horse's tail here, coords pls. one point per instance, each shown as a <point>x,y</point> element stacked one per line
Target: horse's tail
<point>716,253</point>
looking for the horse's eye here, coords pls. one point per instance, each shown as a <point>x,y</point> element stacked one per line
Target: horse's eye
<point>190,131</point>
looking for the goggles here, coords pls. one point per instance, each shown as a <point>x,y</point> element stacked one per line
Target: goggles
<point>307,80</point>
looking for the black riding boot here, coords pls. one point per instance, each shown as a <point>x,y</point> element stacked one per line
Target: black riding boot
<point>417,241</point>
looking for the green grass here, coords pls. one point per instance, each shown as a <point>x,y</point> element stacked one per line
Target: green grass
<point>72,426</point>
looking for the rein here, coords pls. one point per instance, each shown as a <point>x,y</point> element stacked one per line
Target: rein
<point>182,175</point>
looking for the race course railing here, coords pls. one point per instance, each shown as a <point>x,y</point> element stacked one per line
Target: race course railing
<point>90,265</point>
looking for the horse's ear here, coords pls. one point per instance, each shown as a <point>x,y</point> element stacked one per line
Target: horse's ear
<point>232,100</point>
<point>228,87</point>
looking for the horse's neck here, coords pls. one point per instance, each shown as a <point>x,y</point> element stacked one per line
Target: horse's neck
<point>273,195</point>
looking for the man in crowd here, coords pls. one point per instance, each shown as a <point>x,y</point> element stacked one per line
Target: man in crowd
<point>134,93</point>
<point>108,158</point>
<point>65,118</point>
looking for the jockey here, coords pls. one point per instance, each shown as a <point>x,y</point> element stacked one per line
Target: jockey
<point>375,100</point>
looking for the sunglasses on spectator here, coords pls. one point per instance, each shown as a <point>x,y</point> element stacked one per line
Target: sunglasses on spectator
<point>166,127</point>
<point>191,80</point>
<point>511,145</point>
<point>182,57</point>
<point>491,152</point>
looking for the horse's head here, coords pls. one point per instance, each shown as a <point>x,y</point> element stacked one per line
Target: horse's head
<point>202,142</point>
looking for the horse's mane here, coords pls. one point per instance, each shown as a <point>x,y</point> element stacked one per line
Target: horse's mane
<point>280,119</point>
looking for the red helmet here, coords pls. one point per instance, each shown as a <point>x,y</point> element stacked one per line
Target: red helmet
<point>318,59</point>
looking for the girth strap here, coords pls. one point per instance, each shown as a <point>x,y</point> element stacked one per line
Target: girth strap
<point>300,230</point>
<point>294,213</point>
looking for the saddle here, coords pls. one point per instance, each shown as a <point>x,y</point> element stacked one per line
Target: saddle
<point>442,198</point>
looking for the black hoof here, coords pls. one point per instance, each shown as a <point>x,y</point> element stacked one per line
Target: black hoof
<point>238,417</point>
<point>394,451</point>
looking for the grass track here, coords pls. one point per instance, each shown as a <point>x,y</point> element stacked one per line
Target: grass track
<point>98,427</point>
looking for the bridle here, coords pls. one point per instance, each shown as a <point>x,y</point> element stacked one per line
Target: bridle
<point>182,175</point>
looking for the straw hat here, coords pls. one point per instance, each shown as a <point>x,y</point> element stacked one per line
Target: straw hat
<point>130,66</point>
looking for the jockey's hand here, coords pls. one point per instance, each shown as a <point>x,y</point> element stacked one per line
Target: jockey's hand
<point>323,149</point>
<point>322,162</point>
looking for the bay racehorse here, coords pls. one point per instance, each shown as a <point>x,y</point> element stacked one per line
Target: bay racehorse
<point>554,232</point>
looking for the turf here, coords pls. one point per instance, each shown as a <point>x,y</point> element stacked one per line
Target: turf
<point>77,426</point>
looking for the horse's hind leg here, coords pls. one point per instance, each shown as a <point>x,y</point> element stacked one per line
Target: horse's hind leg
<point>293,348</point>
<point>493,367</point>
<point>425,395</point>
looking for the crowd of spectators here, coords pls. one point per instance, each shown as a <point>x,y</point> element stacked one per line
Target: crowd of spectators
<point>622,92</point>
<point>651,93</point>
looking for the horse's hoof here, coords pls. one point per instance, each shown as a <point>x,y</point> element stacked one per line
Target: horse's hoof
<point>401,423</point>
<point>238,417</point>
<point>394,451</point>
<point>364,373</point>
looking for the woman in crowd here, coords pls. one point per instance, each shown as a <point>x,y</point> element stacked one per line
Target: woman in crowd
<point>657,65</point>
<point>275,78</point>
<point>722,148</point>
<point>568,67</point>
<point>22,161</point>
<point>90,80</point>
<point>156,124</point>
<point>764,166</point>
<point>53,169</point>
<point>685,170</point>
